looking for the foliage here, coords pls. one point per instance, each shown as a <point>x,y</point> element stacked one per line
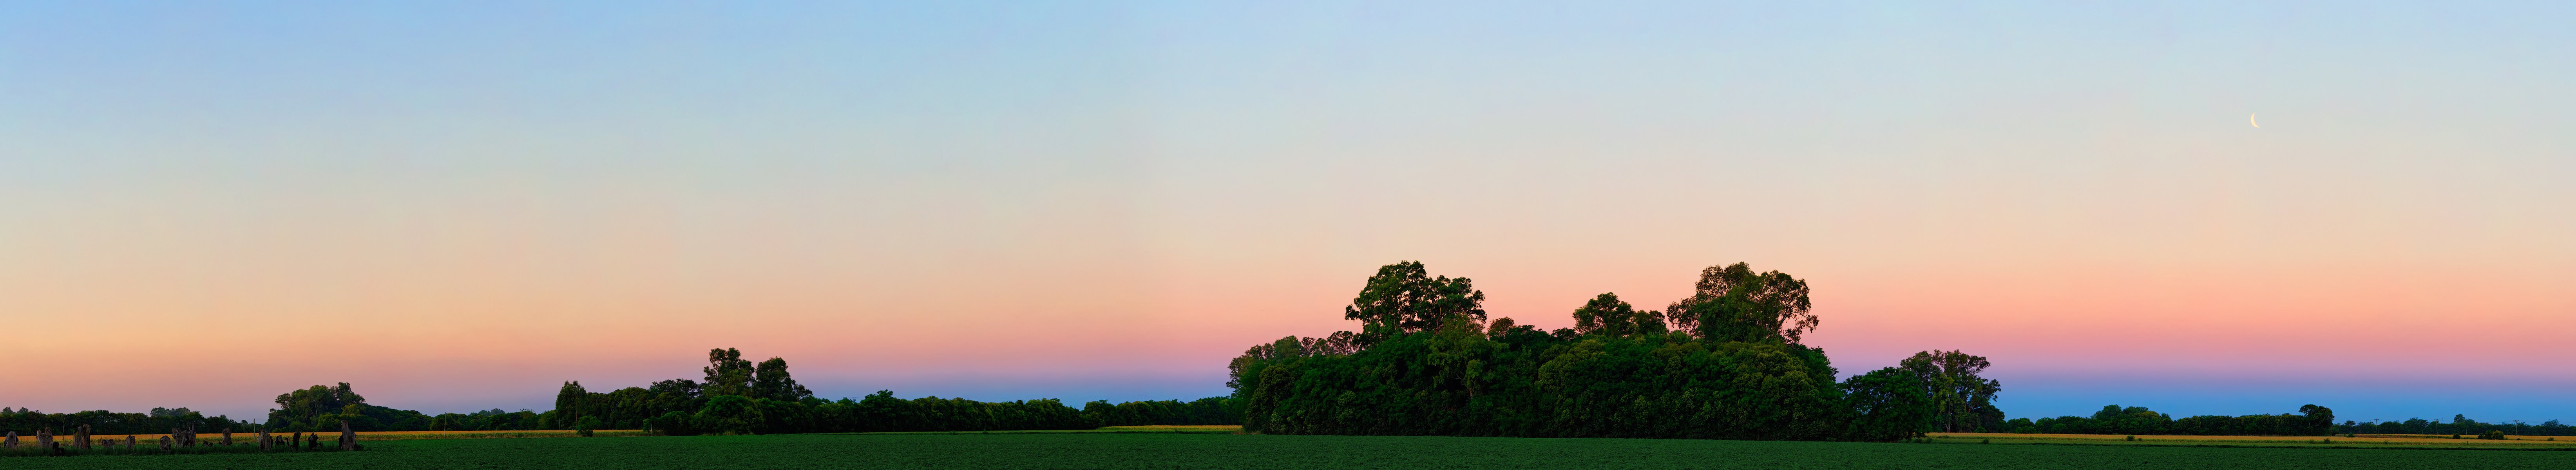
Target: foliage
<point>2113,419</point>
<point>2458,424</point>
<point>1731,302</point>
<point>1404,298</point>
<point>320,408</point>
<point>1962,401</point>
<point>1219,451</point>
<point>26,422</point>
<point>727,373</point>
<point>1887,405</point>
<point>1738,374</point>
<point>778,405</point>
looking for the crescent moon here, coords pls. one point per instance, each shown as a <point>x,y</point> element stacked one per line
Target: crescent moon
<point>2249,119</point>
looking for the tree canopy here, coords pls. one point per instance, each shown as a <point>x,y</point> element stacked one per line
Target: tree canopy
<point>1724,363</point>
<point>1404,298</point>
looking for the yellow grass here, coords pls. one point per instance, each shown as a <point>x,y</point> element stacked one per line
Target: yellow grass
<point>2336,440</point>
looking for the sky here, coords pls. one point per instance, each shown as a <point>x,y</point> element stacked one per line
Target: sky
<point>457,206</point>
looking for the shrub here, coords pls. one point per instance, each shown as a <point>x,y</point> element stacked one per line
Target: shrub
<point>2492,435</point>
<point>585,425</point>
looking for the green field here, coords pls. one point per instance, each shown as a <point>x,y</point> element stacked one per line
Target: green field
<point>1212,450</point>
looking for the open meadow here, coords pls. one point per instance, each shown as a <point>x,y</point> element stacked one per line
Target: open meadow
<point>1201,449</point>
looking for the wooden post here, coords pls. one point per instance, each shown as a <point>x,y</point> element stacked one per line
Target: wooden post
<point>129,443</point>
<point>45,440</point>
<point>264,443</point>
<point>80,439</point>
<point>165,443</point>
<point>228,437</point>
<point>11,443</point>
<point>348,438</point>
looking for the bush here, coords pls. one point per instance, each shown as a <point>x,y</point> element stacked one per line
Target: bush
<point>673,424</point>
<point>585,425</point>
<point>2492,435</point>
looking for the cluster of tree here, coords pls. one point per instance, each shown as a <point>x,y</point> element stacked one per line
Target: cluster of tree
<point>1724,363</point>
<point>2313,420</point>
<point>1961,400</point>
<point>320,408</point>
<point>737,396</point>
<point>486,420</point>
<point>2460,424</point>
<point>160,420</point>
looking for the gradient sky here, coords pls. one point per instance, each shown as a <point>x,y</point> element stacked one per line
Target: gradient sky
<point>457,205</point>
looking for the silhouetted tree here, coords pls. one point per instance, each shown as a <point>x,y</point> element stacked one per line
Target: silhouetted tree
<point>1962,400</point>
<point>770,380</point>
<point>1732,303</point>
<point>1404,298</point>
<point>727,373</point>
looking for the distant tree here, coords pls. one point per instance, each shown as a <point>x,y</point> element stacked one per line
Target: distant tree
<point>1960,397</point>
<point>2320,420</point>
<point>727,373</point>
<point>1404,298</point>
<point>770,380</point>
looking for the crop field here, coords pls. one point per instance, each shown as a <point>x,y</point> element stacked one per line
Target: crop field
<point>2363,440</point>
<point>250,437</point>
<point>1195,450</point>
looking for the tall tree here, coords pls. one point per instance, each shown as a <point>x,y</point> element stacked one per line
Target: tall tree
<point>1961,399</point>
<point>770,380</point>
<point>568,401</point>
<point>1604,314</point>
<point>727,373</point>
<point>1405,298</point>
<point>1733,303</point>
<point>1607,315</point>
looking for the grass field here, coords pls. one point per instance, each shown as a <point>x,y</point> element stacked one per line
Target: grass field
<point>2363,440</point>
<point>252,437</point>
<point>1194,450</point>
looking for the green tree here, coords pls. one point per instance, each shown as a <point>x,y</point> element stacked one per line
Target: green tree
<point>569,402</point>
<point>1404,298</point>
<point>770,380</point>
<point>310,408</point>
<point>1961,399</point>
<point>1733,303</point>
<point>727,373</point>
<point>2320,420</point>
<point>1887,405</point>
<point>1604,314</point>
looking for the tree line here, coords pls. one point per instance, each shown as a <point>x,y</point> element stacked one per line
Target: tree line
<point>736,396</point>
<point>2312,420</point>
<point>159,421</point>
<point>2460,424</point>
<point>1724,363</point>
